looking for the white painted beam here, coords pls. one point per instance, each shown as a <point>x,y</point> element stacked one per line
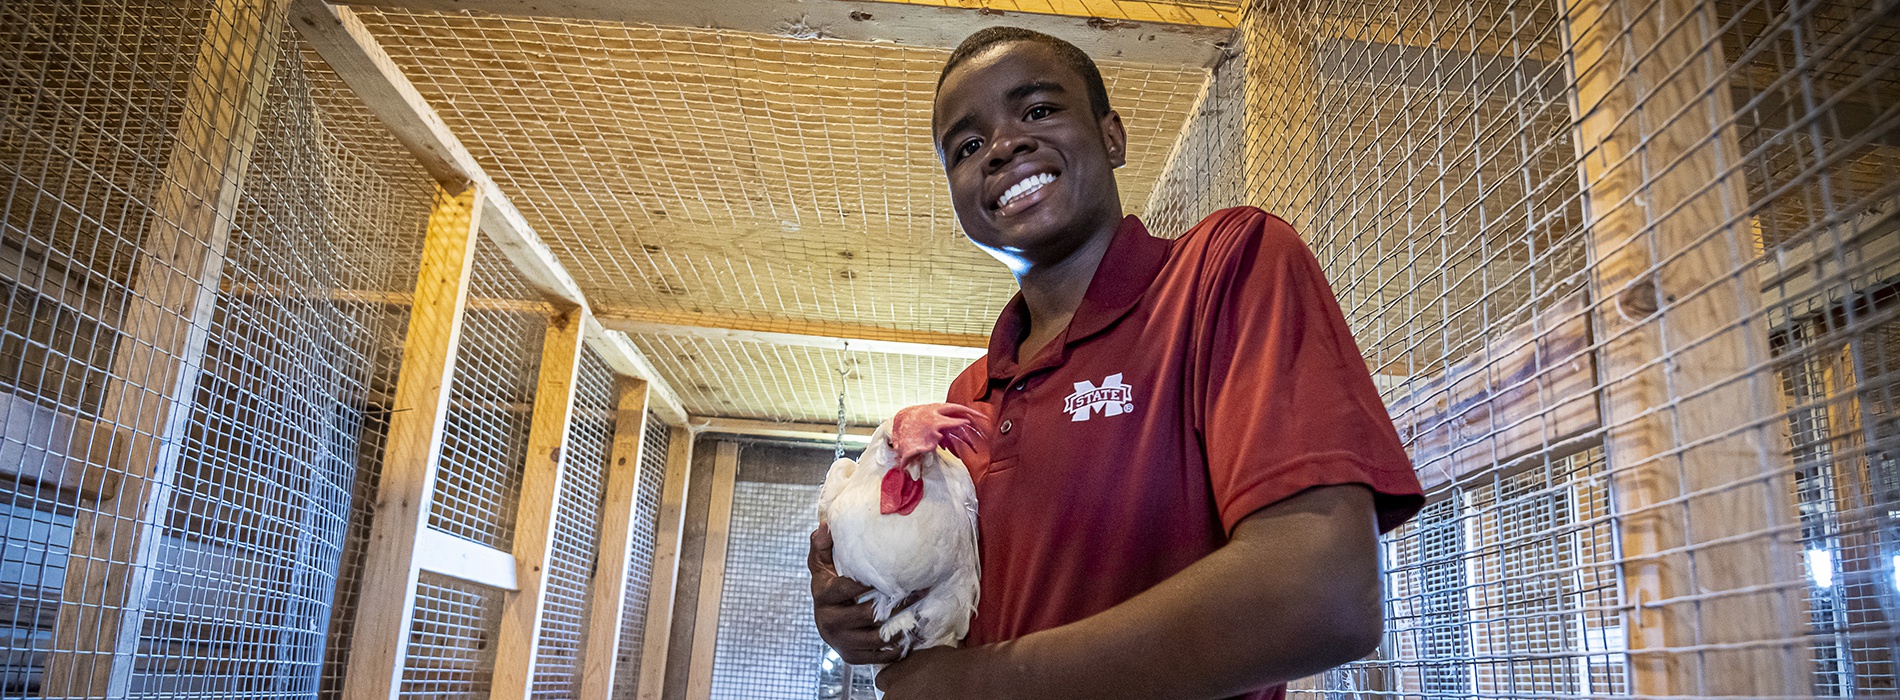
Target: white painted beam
<point>442,553</point>
<point>828,337</point>
<point>855,435</point>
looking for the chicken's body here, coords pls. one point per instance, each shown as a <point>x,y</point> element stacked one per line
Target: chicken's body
<point>928,542</point>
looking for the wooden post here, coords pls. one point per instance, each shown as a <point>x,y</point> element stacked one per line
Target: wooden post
<point>541,483</point>
<point>380,639</point>
<point>619,511</point>
<point>1698,466</point>
<point>712,579</point>
<point>666,564</point>
<point>155,369</point>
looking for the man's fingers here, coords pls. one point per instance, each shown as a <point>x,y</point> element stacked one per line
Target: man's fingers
<point>828,588</point>
<point>909,600</point>
<point>821,545</point>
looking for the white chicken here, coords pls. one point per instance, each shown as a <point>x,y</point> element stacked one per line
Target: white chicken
<point>903,519</point>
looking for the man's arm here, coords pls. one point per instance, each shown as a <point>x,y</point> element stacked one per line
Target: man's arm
<point>1294,592</point>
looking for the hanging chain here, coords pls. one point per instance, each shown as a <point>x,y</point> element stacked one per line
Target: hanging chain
<point>843,373</point>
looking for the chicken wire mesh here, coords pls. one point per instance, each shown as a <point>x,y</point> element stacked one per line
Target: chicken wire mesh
<point>585,461</point>
<point>1625,274</point>
<point>631,639</point>
<point>451,640</point>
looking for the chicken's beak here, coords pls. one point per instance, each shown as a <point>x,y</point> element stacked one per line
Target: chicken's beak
<point>915,469</point>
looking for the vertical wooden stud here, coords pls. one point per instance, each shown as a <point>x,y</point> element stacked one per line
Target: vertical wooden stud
<point>385,601</point>
<point>666,565</point>
<point>155,370</point>
<point>541,484</point>
<point>1698,466</point>
<point>619,512</point>
<point>712,580</point>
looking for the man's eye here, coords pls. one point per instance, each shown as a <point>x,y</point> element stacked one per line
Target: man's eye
<point>1039,112</point>
<point>969,148</point>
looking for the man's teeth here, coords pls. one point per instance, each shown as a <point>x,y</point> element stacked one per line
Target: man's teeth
<point>1022,189</point>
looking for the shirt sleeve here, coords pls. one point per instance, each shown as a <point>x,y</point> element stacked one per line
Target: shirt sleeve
<point>1287,401</point>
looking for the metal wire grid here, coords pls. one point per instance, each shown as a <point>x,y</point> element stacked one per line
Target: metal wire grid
<point>242,575</point>
<point>491,404</point>
<point>557,666</point>
<point>1437,178</point>
<point>1204,171</point>
<point>452,640</point>
<point>631,640</point>
<point>768,646</point>
<point>788,382</point>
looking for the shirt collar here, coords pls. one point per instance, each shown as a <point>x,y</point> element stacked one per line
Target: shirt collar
<point>1127,268</point>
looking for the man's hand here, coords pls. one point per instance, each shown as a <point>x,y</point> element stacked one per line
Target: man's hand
<point>844,623</point>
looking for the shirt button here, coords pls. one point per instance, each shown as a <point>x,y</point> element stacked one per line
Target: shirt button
<point>1006,426</point>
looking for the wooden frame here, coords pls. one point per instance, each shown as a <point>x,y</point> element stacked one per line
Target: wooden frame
<point>854,435</point>
<point>832,336</point>
<point>620,510</point>
<point>1141,33</point>
<point>1705,509</point>
<point>668,532</point>
<point>385,601</point>
<point>543,478</point>
<point>712,579</point>
<point>155,371</point>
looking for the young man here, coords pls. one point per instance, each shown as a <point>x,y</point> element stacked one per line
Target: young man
<point>1189,464</point>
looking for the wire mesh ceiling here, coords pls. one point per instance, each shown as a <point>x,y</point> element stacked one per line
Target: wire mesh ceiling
<point>740,178</point>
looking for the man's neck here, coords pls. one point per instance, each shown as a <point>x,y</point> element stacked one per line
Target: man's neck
<point>1053,292</point>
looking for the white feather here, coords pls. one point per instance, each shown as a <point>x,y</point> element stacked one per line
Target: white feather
<point>933,547</point>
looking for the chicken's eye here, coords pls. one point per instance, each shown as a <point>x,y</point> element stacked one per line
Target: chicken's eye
<point>968,148</point>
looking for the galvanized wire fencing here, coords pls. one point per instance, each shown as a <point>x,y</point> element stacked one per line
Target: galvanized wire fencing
<point>1625,272</point>
<point>208,251</point>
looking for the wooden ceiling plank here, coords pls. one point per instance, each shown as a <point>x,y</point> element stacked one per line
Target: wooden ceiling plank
<point>1138,35</point>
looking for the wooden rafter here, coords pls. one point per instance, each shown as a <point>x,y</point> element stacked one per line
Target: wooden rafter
<point>855,435</point>
<point>834,336</point>
<point>1121,30</point>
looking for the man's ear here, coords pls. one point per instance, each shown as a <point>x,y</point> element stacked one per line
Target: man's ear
<point>1114,138</point>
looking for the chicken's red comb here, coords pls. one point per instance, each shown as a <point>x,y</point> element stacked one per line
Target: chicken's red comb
<point>918,430</point>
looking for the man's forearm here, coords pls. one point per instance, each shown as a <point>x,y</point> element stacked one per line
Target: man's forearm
<point>1295,592</point>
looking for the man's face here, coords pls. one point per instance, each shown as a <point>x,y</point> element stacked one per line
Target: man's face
<point>1031,167</point>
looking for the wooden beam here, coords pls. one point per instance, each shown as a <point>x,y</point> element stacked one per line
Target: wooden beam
<point>619,512</point>
<point>542,480</point>
<point>712,578</point>
<point>54,449</point>
<point>347,46</point>
<point>939,25</point>
<point>442,553</point>
<point>155,371</point>
<point>623,357</point>
<point>1530,389</point>
<point>380,639</point>
<point>1698,466</point>
<point>831,336</point>
<point>855,435</point>
<point>667,533</point>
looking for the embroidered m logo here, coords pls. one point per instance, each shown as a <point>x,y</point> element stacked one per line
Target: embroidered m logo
<point>1112,398</point>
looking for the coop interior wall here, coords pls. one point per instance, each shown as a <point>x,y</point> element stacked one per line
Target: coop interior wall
<point>1624,272</point>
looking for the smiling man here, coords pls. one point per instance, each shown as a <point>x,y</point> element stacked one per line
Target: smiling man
<point>1189,465</point>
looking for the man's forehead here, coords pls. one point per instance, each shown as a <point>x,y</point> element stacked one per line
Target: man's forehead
<point>1034,62</point>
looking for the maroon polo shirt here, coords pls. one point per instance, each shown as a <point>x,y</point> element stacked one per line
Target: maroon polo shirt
<point>1200,380</point>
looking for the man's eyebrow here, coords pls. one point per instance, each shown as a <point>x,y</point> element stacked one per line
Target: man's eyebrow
<point>1027,89</point>
<point>958,126</point>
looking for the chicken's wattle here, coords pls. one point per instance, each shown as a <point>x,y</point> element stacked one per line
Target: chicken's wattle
<point>901,492</point>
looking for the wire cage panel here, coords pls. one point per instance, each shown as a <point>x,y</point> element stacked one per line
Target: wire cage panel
<point>452,640</point>
<point>631,640</point>
<point>557,668</point>
<point>1625,273</point>
<point>768,646</point>
<point>219,557</point>
<point>491,404</point>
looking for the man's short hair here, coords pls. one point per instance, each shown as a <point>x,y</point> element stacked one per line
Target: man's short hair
<point>1075,58</point>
